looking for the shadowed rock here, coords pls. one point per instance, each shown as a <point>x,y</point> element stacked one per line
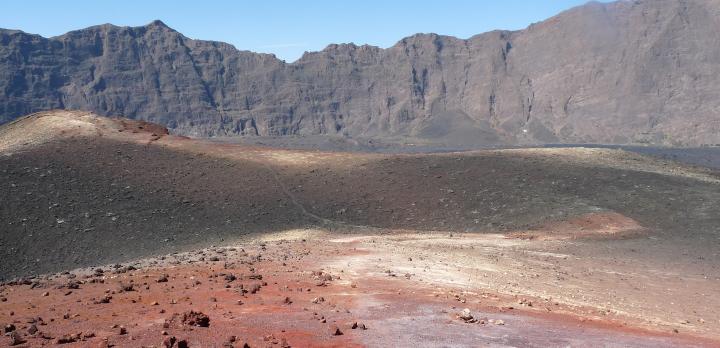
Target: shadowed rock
<point>621,72</point>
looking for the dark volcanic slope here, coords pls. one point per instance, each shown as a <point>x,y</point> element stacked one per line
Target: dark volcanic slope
<point>623,72</point>
<point>85,200</point>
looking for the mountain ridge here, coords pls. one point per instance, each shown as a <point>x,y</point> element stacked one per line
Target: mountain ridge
<point>617,73</point>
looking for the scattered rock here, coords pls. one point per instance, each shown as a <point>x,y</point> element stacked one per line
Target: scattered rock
<point>466,315</point>
<point>65,339</point>
<point>32,329</point>
<point>43,335</point>
<point>168,342</point>
<point>16,338</point>
<point>104,299</point>
<point>9,328</point>
<point>322,276</point>
<point>191,318</point>
<point>254,288</point>
<point>270,338</point>
<point>335,330</point>
<point>230,343</point>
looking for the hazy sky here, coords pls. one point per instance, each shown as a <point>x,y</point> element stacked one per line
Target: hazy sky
<point>286,28</point>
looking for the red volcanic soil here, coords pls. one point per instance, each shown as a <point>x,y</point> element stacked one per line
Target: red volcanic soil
<point>523,247</point>
<point>287,293</point>
<point>606,225</point>
<point>138,126</point>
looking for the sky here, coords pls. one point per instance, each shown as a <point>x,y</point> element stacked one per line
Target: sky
<point>286,28</point>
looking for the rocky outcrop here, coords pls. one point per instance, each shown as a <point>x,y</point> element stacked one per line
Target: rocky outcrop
<point>622,72</point>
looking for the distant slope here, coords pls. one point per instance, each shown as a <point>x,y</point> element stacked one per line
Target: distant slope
<point>623,72</point>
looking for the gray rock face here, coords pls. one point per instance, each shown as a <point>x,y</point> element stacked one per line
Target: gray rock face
<point>622,72</point>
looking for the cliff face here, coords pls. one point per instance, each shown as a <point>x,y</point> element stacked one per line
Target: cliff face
<point>623,72</point>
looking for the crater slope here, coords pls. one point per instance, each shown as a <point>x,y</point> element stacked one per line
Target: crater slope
<point>608,235</point>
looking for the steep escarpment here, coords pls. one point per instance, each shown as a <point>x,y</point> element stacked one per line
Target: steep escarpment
<point>621,72</point>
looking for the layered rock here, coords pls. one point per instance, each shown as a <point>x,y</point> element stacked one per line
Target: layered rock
<point>622,72</point>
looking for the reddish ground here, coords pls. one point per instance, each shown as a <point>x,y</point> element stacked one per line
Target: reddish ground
<point>289,293</point>
<point>605,225</point>
<point>543,247</point>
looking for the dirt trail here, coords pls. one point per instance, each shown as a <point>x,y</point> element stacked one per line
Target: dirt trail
<point>296,203</point>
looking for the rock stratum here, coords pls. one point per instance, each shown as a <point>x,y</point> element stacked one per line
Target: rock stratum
<point>622,72</point>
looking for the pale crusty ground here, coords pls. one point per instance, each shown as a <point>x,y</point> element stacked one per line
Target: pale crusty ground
<point>406,288</point>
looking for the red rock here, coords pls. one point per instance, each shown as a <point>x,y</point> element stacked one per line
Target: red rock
<point>189,318</point>
<point>67,339</point>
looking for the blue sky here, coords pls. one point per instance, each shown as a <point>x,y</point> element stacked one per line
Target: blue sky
<point>286,28</point>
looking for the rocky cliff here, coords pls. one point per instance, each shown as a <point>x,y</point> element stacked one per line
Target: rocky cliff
<point>621,72</point>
